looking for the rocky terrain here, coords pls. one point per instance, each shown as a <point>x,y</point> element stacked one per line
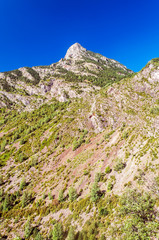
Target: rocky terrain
<point>79,150</point>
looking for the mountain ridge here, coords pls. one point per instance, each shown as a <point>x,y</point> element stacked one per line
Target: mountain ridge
<point>18,86</point>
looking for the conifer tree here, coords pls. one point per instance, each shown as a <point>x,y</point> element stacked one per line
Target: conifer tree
<point>72,194</point>
<point>57,233</point>
<point>71,234</point>
<point>6,203</point>
<point>61,196</point>
<point>94,192</point>
<point>38,236</point>
<point>28,228</point>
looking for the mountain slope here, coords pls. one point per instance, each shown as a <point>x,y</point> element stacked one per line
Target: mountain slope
<point>90,162</point>
<point>30,87</point>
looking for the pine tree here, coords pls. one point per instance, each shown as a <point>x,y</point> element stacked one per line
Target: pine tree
<point>1,179</point>
<point>24,199</point>
<point>71,234</point>
<point>28,228</point>
<point>57,233</point>
<point>22,184</point>
<point>38,236</point>
<point>61,196</point>
<point>72,194</point>
<point>6,203</point>
<point>80,236</point>
<point>94,192</point>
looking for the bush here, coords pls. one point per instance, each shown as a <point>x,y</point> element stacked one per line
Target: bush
<point>97,177</point>
<point>110,186</point>
<point>72,194</point>
<point>1,180</point>
<point>119,165</point>
<point>3,144</point>
<point>103,211</point>
<point>23,183</point>
<point>108,169</point>
<point>22,157</point>
<point>61,196</point>
<point>95,192</point>
<point>26,198</point>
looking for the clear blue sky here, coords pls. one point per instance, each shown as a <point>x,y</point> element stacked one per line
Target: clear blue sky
<point>35,32</point>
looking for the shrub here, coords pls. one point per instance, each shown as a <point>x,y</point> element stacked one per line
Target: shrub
<point>72,194</point>
<point>119,165</point>
<point>22,183</point>
<point>22,157</point>
<point>61,196</point>
<point>103,211</point>
<point>97,177</point>
<point>125,135</point>
<point>26,198</point>
<point>50,196</point>
<point>95,192</point>
<point>1,179</point>
<point>3,144</point>
<point>110,186</point>
<point>108,169</point>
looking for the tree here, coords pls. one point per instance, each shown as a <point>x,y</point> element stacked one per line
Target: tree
<point>137,204</point>
<point>38,236</point>
<point>28,228</point>
<point>95,192</point>
<point>22,183</point>
<point>72,194</point>
<point>6,203</point>
<point>97,177</point>
<point>1,180</point>
<point>26,198</point>
<point>61,196</point>
<point>138,207</point>
<point>71,234</point>
<point>57,233</point>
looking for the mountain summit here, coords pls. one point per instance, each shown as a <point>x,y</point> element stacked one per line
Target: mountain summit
<point>75,51</point>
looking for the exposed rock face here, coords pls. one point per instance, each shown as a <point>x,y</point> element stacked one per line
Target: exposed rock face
<point>76,51</point>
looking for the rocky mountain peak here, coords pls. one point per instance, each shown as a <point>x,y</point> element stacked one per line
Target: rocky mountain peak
<point>75,51</point>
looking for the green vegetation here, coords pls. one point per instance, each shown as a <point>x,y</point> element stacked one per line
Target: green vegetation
<point>61,196</point>
<point>139,210</point>
<point>28,228</point>
<point>119,165</point>
<point>72,194</point>
<point>57,233</point>
<point>108,169</point>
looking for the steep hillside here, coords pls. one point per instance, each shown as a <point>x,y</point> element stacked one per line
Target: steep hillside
<point>84,166</point>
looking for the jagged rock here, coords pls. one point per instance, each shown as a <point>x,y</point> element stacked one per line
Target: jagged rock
<point>76,51</point>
